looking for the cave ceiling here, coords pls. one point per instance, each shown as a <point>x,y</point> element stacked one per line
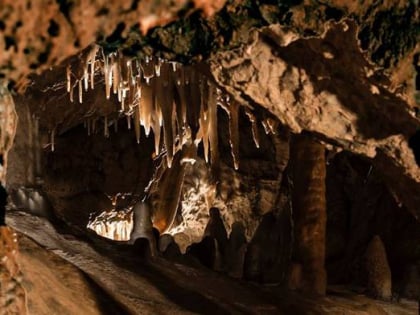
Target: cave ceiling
<point>344,71</point>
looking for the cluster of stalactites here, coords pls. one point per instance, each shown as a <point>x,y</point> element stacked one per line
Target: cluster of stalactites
<point>176,102</point>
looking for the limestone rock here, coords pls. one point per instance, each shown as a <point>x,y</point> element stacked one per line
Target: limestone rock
<point>12,292</point>
<point>379,283</point>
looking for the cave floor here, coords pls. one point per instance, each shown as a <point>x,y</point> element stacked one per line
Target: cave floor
<point>65,268</point>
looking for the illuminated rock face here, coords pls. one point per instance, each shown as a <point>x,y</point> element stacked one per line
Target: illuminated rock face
<point>12,292</point>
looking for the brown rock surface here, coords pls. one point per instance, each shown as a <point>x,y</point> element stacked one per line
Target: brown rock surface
<point>378,271</point>
<point>12,292</point>
<point>309,213</point>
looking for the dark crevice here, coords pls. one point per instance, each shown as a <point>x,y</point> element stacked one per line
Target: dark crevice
<point>116,36</point>
<point>54,28</point>
<point>102,11</point>
<point>10,41</point>
<point>134,5</point>
<point>65,7</point>
<point>333,13</point>
<point>414,143</point>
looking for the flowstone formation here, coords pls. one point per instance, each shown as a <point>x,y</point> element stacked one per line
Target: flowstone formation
<point>275,142</point>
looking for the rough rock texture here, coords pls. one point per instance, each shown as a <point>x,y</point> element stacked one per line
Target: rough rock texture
<point>37,35</point>
<point>8,122</point>
<point>54,285</point>
<point>359,206</point>
<point>313,71</point>
<point>162,287</point>
<point>12,292</point>
<point>378,271</point>
<point>326,86</point>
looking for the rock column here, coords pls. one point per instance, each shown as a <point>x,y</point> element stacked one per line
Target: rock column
<point>309,215</point>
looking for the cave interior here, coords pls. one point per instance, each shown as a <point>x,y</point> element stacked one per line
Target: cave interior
<point>210,157</point>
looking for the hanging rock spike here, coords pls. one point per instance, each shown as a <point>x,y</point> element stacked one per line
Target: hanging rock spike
<point>254,126</point>
<point>137,123</point>
<point>80,92</point>
<point>68,76</point>
<point>164,99</point>
<point>52,140</point>
<point>147,106</point>
<point>234,132</point>
<point>212,117</point>
<point>165,94</point>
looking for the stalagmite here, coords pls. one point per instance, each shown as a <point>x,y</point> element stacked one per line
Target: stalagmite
<point>379,279</point>
<point>142,225</point>
<point>234,131</point>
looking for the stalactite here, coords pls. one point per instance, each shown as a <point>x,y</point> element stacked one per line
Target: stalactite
<point>86,78</point>
<point>71,94</point>
<point>164,94</point>
<point>181,101</point>
<point>270,125</point>
<point>156,126</point>
<point>148,70</point>
<point>128,117</point>
<point>254,126</point>
<point>164,100</point>
<point>193,113</point>
<point>137,123</point>
<point>80,92</point>
<point>52,139</point>
<point>147,106</point>
<point>234,132</point>
<point>68,76</point>
<point>212,117</point>
<point>107,76</point>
